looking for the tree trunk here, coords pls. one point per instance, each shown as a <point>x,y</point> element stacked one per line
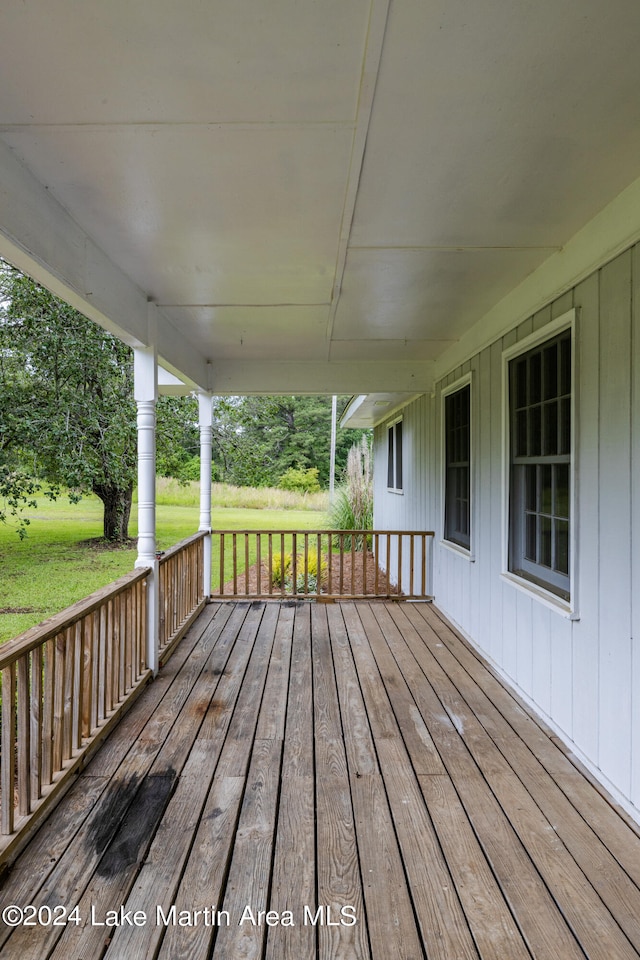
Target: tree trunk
<point>117,510</point>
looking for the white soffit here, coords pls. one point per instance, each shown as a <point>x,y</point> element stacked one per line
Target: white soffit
<point>371,409</point>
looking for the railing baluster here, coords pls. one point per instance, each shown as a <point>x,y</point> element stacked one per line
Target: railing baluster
<point>8,772</point>
<point>67,713</point>
<point>76,736</point>
<point>129,642</point>
<point>364,564</point>
<point>115,652</point>
<point>36,724</point>
<point>235,564</point>
<point>108,686</point>
<point>246,562</point>
<point>221,563</point>
<point>282,564</point>
<point>411,548</point>
<point>294,563</point>
<point>58,703</point>
<point>376,554</point>
<point>388,570</point>
<point>353,564</point>
<point>102,670</point>
<point>306,564</point>
<point>87,673</point>
<point>258,565</point>
<point>141,628</point>
<point>24,737</point>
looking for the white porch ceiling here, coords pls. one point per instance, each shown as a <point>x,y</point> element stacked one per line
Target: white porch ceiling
<point>317,195</point>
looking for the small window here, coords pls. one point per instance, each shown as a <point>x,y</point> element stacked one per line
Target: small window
<point>394,462</point>
<point>457,480</point>
<point>540,464</point>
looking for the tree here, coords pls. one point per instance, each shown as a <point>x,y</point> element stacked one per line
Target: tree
<point>67,411</point>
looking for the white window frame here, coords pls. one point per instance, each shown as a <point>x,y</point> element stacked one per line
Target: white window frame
<point>550,599</point>
<point>459,384</point>
<point>392,467</point>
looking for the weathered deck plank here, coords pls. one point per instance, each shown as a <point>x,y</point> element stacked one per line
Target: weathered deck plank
<point>605,875</point>
<point>307,758</point>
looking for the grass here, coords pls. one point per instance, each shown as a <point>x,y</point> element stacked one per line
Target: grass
<point>63,558</point>
<point>224,497</point>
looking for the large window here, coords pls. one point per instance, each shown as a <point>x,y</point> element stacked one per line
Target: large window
<point>394,462</point>
<point>540,464</point>
<point>457,479</point>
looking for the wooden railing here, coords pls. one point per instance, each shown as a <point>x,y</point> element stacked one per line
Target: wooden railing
<point>181,578</point>
<point>323,564</point>
<point>64,684</point>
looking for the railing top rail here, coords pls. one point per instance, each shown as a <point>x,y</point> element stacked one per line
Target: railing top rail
<point>177,547</point>
<point>315,533</point>
<point>12,650</point>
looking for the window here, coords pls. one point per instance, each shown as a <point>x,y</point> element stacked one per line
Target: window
<point>457,459</point>
<point>394,462</point>
<point>540,464</point>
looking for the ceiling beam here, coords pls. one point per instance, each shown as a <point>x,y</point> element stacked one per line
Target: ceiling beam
<point>377,27</point>
<point>236,377</point>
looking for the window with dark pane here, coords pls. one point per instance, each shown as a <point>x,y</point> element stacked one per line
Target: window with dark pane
<point>394,456</point>
<point>457,431</point>
<point>540,444</point>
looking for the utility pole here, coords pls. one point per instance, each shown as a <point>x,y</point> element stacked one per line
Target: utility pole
<point>332,467</point>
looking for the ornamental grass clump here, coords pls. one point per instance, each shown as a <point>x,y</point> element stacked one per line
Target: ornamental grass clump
<point>352,508</point>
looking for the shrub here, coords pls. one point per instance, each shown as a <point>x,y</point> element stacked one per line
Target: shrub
<point>281,569</point>
<point>299,480</point>
<point>314,576</point>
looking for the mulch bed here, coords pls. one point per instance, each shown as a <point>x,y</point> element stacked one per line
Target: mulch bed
<point>355,580</point>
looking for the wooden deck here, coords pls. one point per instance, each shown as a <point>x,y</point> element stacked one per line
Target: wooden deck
<point>328,762</point>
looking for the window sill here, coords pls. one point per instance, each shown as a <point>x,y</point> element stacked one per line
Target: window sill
<point>458,550</point>
<point>398,493</point>
<point>548,599</point>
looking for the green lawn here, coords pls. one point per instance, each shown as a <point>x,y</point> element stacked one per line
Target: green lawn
<point>62,560</point>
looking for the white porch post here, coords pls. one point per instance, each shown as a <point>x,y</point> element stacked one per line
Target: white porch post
<point>146,393</point>
<point>205,411</point>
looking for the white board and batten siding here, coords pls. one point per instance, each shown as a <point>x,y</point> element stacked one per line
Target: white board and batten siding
<point>581,671</point>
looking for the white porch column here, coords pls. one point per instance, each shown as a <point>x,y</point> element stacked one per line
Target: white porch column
<point>145,367</point>
<point>205,411</point>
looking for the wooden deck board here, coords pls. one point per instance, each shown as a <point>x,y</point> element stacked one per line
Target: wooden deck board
<point>609,880</point>
<point>578,898</point>
<point>308,759</point>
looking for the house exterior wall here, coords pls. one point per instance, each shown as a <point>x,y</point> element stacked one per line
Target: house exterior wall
<point>581,671</point>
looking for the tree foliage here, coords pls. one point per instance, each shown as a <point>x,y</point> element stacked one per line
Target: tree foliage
<point>257,440</point>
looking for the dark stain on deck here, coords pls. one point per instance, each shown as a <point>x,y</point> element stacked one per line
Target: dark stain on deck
<point>132,838</point>
<point>101,830</point>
